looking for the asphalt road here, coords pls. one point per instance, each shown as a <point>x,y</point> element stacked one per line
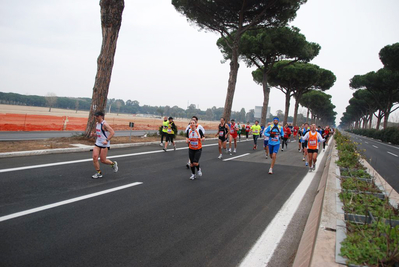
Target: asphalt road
<point>161,218</point>
<point>382,156</point>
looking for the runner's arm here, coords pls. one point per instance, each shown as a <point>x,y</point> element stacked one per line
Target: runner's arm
<point>267,131</point>
<point>320,138</point>
<point>306,137</point>
<point>110,130</point>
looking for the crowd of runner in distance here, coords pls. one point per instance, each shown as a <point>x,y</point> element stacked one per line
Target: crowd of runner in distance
<point>310,138</point>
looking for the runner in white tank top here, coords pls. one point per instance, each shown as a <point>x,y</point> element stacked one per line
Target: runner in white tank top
<point>103,134</point>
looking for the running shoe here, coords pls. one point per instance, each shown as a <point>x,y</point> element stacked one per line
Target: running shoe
<point>161,144</point>
<point>266,156</point>
<point>306,164</point>
<point>192,177</point>
<point>229,150</point>
<point>303,159</point>
<point>115,166</point>
<point>310,169</point>
<point>314,166</point>
<point>282,149</point>
<point>164,149</point>
<point>235,151</point>
<point>199,172</point>
<point>97,175</point>
<point>270,171</point>
<point>220,156</point>
<point>188,165</point>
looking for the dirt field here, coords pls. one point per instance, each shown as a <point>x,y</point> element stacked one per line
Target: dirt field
<point>23,118</point>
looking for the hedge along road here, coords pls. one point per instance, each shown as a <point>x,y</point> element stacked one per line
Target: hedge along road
<point>382,156</point>
<point>147,214</point>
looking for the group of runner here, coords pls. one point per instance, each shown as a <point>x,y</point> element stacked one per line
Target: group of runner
<point>310,139</point>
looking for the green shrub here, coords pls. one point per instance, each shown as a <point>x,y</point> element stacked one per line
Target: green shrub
<point>383,250</point>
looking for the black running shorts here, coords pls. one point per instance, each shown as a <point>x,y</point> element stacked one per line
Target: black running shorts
<point>194,155</point>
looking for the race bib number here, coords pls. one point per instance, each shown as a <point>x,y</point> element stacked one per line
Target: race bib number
<point>255,131</point>
<point>221,133</point>
<point>312,142</point>
<point>194,143</point>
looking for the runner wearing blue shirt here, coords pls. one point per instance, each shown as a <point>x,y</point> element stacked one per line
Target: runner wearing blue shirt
<point>274,132</point>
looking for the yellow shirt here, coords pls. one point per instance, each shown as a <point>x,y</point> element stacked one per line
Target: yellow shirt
<point>255,129</point>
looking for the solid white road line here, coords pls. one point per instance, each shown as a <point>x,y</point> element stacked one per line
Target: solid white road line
<point>236,157</point>
<point>69,201</point>
<point>392,154</point>
<point>86,160</point>
<point>261,253</point>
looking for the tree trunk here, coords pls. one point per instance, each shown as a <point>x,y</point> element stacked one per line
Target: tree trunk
<point>266,93</point>
<point>379,119</point>
<point>232,79</point>
<point>371,120</point>
<point>111,19</point>
<point>296,112</point>
<point>287,106</point>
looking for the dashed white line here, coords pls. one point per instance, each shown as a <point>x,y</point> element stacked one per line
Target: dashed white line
<point>392,154</point>
<point>57,204</point>
<point>375,146</point>
<point>243,155</point>
<point>366,142</point>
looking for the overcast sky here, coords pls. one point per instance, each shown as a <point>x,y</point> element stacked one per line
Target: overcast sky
<point>51,46</point>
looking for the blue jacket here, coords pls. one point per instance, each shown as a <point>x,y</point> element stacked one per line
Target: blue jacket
<point>277,131</point>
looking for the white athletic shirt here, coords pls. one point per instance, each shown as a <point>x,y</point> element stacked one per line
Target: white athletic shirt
<point>199,127</point>
<point>102,135</point>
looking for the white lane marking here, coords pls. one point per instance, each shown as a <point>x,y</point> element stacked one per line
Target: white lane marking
<point>86,160</point>
<point>375,146</point>
<point>262,251</point>
<point>392,154</point>
<point>380,143</point>
<point>236,157</point>
<point>57,204</point>
<point>366,142</point>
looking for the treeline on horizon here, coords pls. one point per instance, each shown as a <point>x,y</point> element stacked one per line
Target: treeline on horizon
<point>131,107</point>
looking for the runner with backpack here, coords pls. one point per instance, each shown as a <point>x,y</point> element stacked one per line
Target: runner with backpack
<point>274,132</point>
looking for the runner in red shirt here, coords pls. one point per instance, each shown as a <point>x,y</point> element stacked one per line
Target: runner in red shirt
<point>295,130</point>
<point>326,135</point>
<point>287,134</point>
<point>233,135</point>
<point>247,129</point>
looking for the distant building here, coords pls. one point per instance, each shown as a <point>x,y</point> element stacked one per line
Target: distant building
<point>258,112</point>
